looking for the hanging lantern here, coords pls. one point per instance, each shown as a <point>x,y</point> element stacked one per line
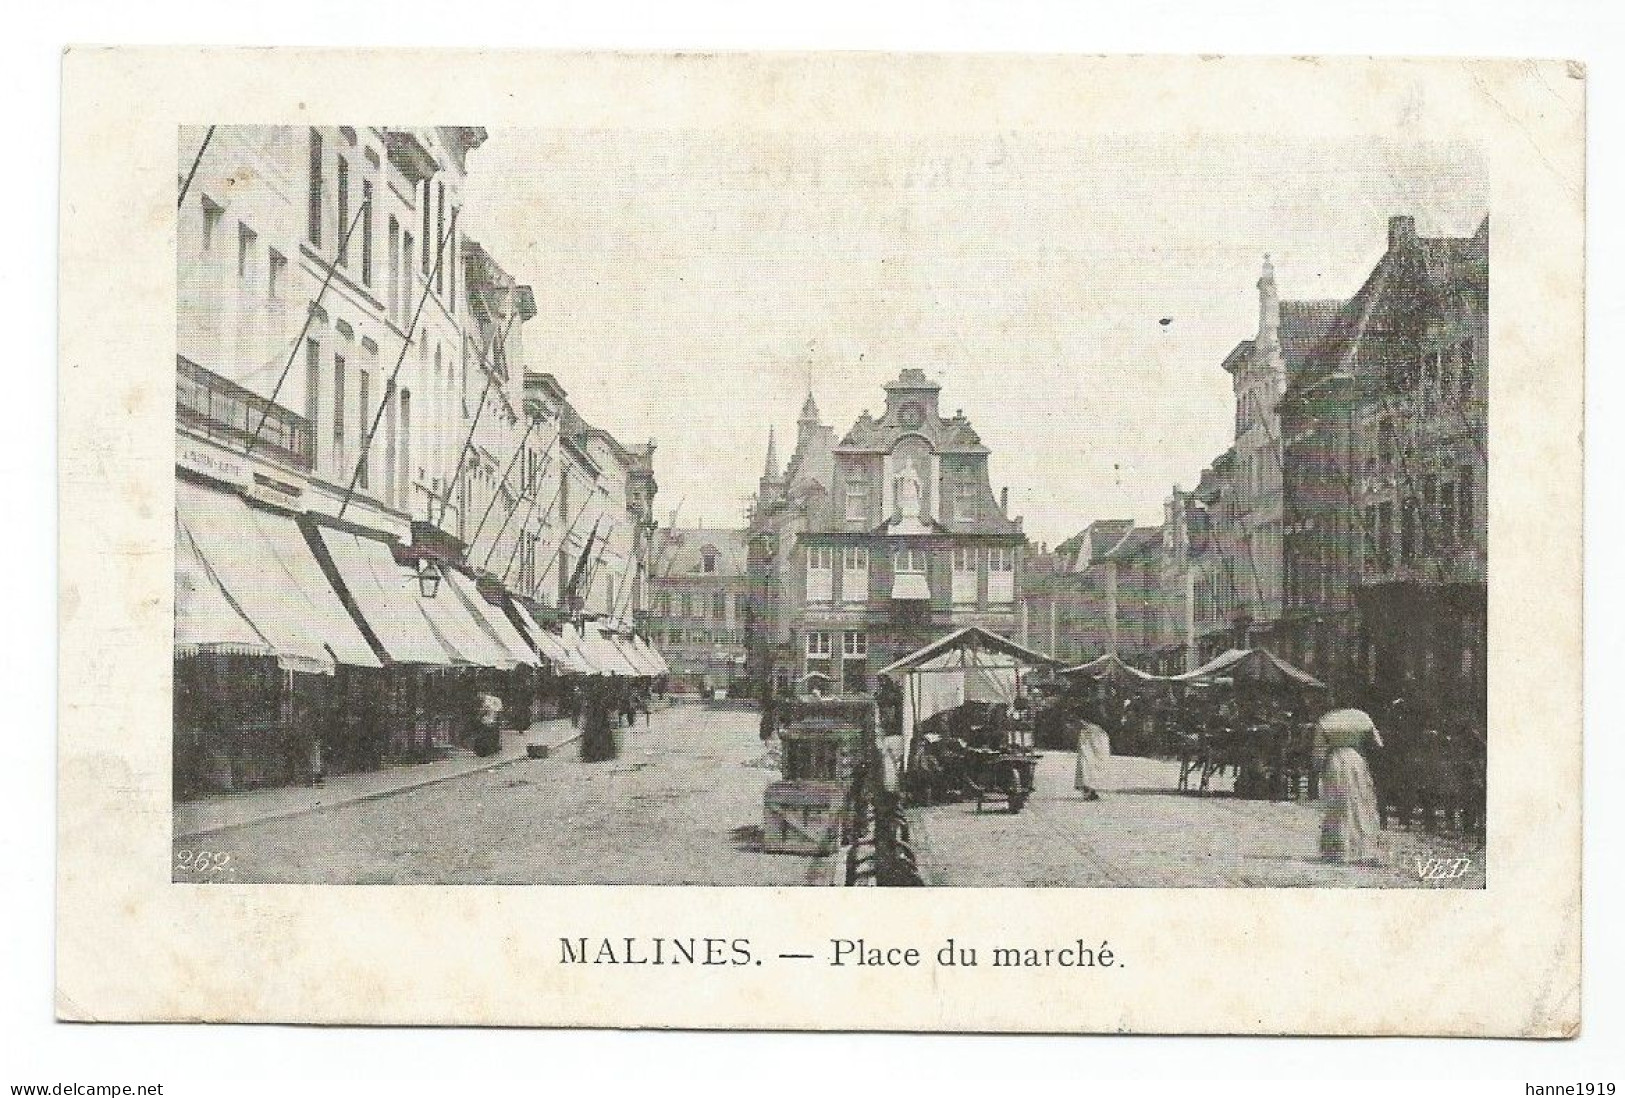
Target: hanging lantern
<point>428,578</point>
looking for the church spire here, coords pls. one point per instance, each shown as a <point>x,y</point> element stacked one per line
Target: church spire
<point>809,410</point>
<point>771,470</point>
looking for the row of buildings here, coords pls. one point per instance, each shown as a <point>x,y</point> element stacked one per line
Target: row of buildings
<point>353,413</point>
<point>1346,526</point>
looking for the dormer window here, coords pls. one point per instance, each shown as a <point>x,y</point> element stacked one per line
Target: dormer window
<point>708,560</point>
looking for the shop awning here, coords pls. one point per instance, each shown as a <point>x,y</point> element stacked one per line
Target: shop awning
<point>659,661</point>
<point>548,645</point>
<point>455,625</point>
<point>494,619</point>
<point>386,596</point>
<point>576,645</point>
<point>205,620</point>
<point>629,654</point>
<point>249,572</point>
<point>910,587</point>
<point>331,621</point>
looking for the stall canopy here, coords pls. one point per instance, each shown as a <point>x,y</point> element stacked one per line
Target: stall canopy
<point>1252,666</point>
<point>493,618</point>
<point>272,580</point>
<point>971,664</point>
<point>1109,668</point>
<point>205,620</point>
<point>386,597</point>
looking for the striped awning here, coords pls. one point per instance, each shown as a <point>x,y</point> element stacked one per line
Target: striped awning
<point>493,618</point>
<point>386,596</point>
<point>206,622</point>
<point>455,624</point>
<point>226,535</point>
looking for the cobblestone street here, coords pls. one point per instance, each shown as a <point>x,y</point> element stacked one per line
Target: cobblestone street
<point>682,805</point>
<point>1147,834</point>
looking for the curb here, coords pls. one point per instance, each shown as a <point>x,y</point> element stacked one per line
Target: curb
<point>375,795</point>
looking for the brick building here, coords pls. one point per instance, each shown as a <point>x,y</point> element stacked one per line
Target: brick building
<point>871,548</point>
<point>699,590</point>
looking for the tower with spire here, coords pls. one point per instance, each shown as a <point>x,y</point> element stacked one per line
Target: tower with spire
<point>771,485</point>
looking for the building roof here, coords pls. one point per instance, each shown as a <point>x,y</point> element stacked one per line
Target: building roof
<point>681,553</point>
<point>877,436</point>
<point>1135,543</point>
<point>1412,281</point>
<point>1303,325</point>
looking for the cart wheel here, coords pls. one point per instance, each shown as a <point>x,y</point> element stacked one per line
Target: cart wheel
<point>1016,801</point>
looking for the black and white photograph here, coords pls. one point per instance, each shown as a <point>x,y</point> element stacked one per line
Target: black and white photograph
<point>1006,508</point>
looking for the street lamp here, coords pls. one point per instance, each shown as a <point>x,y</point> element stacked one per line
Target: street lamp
<point>428,578</point>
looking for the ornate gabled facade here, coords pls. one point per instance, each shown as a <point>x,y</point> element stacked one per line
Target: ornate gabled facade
<point>867,549</point>
<point>1387,449</point>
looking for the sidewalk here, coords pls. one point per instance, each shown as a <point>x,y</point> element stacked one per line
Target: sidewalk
<point>220,812</point>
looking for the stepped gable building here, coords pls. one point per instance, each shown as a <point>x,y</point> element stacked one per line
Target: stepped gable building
<point>902,542</point>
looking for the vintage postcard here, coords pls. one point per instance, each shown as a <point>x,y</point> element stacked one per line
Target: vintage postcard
<point>821,541</point>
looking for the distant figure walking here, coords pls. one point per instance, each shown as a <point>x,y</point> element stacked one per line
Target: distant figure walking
<point>1094,759</point>
<point>1350,827</point>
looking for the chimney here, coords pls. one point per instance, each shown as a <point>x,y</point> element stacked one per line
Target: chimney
<point>1004,500</point>
<point>1401,231</point>
<point>671,520</point>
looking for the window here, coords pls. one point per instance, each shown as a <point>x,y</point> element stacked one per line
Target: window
<point>685,606</point>
<point>363,397</point>
<point>366,232</point>
<point>390,446</point>
<point>343,226</point>
<point>857,499</point>
<point>908,560</point>
<point>965,497</point>
<point>741,607</point>
<point>820,573</point>
<point>451,275</point>
<point>719,605</point>
<point>338,412</point>
<point>708,560</point>
<point>1430,504</point>
<point>211,222</point>
<point>406,278</point>
<point>964,577</point>
<point>426,267</point>
<point>855,574</point>
<point>1465,504</point>
<point>854,661</point>
<point>313,210</point>
<point>1447,514</point>
<point>393,289</point>
<point>1469,369</point>
<point>440,242</point>
<point>406,450</point>
<point>313,383</point>
<point>663,605</point>
<point>276,272</point>
<point>818,645</point>
<point>1385,536</point>
<point>1001,575</point>
<point>246,240</point>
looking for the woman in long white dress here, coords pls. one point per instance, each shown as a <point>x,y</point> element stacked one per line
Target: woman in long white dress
<point>1094,760</point>
<point>1350,827</point>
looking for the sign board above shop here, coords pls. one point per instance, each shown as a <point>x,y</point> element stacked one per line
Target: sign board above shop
<point>239,472</point>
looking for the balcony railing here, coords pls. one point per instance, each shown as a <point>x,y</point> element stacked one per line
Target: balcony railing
<point>225,410</point>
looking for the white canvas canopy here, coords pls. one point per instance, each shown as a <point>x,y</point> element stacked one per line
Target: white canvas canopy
<point>971,664</point>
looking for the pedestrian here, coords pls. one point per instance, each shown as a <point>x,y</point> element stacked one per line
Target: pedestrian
<point>765,730</point>
<point>1349,827</point>
<point>1094,757</point>
<point>487,733</point>
<point>597,724</point>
